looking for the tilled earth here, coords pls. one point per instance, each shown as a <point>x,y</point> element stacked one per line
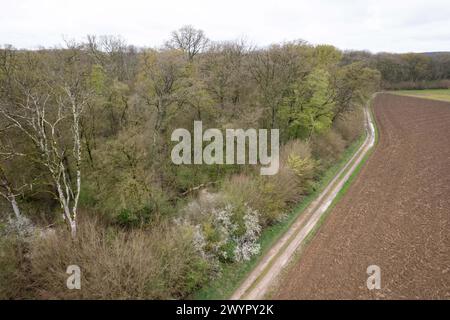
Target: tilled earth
<point>396,215</point>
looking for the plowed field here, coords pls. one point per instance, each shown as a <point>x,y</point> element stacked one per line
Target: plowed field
<point>396,215</point>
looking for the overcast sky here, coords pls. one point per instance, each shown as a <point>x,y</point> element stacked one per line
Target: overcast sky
<point>379,25</point>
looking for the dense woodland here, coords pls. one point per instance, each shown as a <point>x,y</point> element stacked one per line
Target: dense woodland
<point>407,71</point>
<point>85,170</point>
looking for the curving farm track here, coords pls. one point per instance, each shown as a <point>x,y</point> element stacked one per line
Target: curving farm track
<point>264,275</point>
<point>396,215</point>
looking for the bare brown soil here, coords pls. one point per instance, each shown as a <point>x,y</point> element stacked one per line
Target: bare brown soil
<point>396,215</point>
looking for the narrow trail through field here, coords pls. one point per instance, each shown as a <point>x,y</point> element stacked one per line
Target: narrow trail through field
<point>396,215</point>
<point>261,279</point>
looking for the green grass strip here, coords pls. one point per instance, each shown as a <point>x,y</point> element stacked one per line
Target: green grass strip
<point>433,94</point>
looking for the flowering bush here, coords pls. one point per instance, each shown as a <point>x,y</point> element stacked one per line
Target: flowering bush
<point>226,232</point>
<point>247,245</point>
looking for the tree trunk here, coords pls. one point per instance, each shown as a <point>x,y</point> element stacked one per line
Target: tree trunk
<point>9,195</point>
<point>15,206</point>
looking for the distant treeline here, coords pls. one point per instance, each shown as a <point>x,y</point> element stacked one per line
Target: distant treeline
<point>407,71</point>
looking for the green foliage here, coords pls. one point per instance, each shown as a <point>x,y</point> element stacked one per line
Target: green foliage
<point>97,80</point>
<point>310,108</point>
<point>327,56</point>
<point>303,167</point>
<point>129,218</point>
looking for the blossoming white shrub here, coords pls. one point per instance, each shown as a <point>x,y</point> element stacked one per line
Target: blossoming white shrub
<point>199,241</point>
<point>225,228</point>
<point>223,231</point>
<point>247,245</point>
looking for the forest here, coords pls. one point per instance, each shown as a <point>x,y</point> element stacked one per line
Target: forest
<point>428,70</point>
<point>85,172</point>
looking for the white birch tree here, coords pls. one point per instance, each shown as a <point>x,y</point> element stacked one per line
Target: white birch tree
<point>48,112</point>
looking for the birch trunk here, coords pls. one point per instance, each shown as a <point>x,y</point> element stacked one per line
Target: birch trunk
<point>9,194</point>
<point>15,206</point>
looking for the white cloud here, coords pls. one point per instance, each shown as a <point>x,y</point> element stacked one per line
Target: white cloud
<point>381,25</point>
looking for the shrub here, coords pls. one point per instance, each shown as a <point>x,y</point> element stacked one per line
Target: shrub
<point>351,126</point>
<point>278,192</point>
<point>328,147</point>
<point>158,205</point>
<point>239,231</point>
<point>296,173</point>
<point>297,156</point>
<point>13,282</point>
<point>268,195</point>
<point>241,188</point>
<point>140,264</point>
<point>229,229</point>
<point>247,243</point>
<point>273,195</point>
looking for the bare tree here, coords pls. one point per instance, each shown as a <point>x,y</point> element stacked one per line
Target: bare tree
<point>224,72</point>
<point>163,86</point>
<point>113,54</point>
<point>45,112</point>
<point>274,70</point>
<point>190,40</point>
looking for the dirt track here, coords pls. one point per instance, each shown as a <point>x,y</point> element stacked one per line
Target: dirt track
<point>396,215</point>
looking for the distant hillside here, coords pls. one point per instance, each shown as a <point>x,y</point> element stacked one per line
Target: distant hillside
<point>437,53</point>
